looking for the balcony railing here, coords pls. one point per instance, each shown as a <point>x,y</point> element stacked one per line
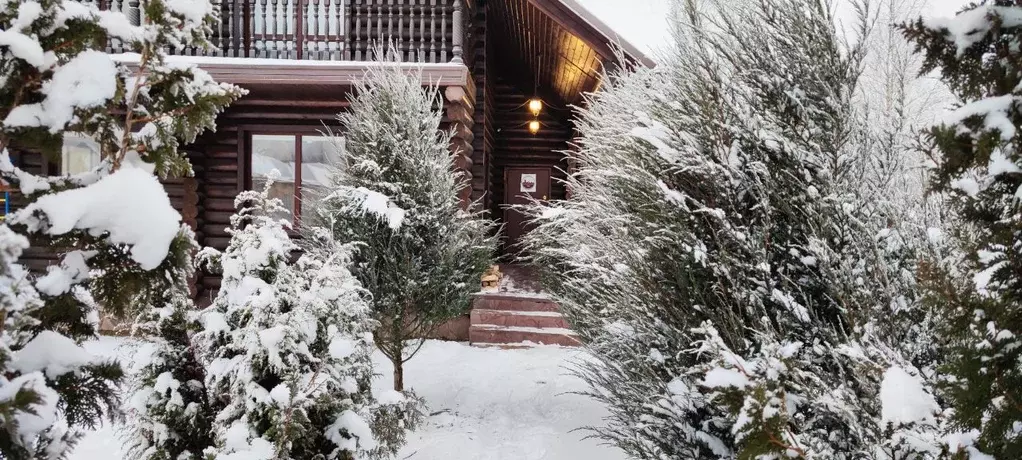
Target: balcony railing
<point>429,31</point>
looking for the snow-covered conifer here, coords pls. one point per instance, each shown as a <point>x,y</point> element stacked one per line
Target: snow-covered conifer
<point>395,195</point>
<point>287,348</point>
<point>648,248</point>
<point>169,413</point>
<point>977,156</point>
<point>57,79</point>
<point>711,255</point>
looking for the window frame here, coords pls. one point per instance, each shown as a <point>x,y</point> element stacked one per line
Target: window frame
<point>245,135</point>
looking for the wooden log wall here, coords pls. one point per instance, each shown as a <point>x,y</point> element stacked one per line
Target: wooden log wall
<point>221,167</point>
<point>515,146</point>
<point>482,72</point>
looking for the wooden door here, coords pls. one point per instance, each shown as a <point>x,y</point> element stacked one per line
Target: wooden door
<point>520,186</point>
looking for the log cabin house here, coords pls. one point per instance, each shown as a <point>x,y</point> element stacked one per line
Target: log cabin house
<point>508,70</point>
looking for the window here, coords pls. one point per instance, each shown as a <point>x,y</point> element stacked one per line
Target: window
<point>302,161</point>
<point>80,154</point>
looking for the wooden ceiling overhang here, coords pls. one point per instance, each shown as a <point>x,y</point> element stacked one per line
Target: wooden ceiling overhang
<point>308,79</point>
<point>555,45</point>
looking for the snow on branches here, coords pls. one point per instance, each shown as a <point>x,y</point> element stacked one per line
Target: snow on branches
<point>976,152</point>
<point>419,251</point>
<point>113,228</point>
<point>287,349</point>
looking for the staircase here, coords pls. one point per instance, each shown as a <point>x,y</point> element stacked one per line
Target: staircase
<point>516,320</point>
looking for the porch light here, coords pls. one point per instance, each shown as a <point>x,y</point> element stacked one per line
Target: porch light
<point>534,126</point>
<point>535,106</point>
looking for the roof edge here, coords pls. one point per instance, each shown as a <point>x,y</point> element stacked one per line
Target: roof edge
<point>601,28</point>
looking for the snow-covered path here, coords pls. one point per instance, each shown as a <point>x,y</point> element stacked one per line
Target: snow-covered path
<point>488,404</point>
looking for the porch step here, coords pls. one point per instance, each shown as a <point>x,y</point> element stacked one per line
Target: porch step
<point>535,319</point>
<point>511,302</point>
<point>508,320</point>
<point>512,335</point>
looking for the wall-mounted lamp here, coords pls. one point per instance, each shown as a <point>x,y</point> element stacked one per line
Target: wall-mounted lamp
<point>535,106</point>
<point>534,126</point>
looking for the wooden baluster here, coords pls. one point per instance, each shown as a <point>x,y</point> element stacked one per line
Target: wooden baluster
<point>423,34</point>
<point>458,40</point>
<point>117,45</point>
<point>400,40</point>
<point>223,17</point>
<point>226,27</point>
<point>290,34</point>
<point>412,52</point>
<point>373,39</point>
<point>250,28</point>
<point>280,28</point>
<point>336,28</point>
<point>356,15</point>
<point>261,36</point>
<point>315,30</point>
<point>389,39</point>
<point>270,39</point>
<point>443,31</point>
<point>379,39</point>
<point>432,30</point>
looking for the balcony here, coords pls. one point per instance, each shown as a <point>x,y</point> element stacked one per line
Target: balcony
<point>425,31</point>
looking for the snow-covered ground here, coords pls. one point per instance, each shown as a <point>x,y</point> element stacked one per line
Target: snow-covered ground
<point>486,404</point>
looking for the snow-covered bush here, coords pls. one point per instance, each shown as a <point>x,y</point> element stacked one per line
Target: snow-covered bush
<point>395,196</point>
<point>287,350</point>
<point>713,256</point>
<point>114,229</point>
<point>976,151</point>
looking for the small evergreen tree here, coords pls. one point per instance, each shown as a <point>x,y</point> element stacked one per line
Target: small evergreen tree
<point>57,80</point>
<point>977,151</point>
<point>287,348</point>
<point>420,254</point>
<point>169,413</point>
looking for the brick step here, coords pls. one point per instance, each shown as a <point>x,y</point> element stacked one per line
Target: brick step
<point>537,319</point>
<point>512,335</point>
<point>513,303</point>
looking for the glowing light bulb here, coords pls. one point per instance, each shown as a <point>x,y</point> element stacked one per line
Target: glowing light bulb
<point>535,106</point>
<point>534,126</point>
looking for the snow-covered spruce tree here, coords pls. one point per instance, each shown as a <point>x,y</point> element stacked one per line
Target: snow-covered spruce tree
<point>57,80</point>
<point>395,195</point>
<point>287,347</point>
<point>977,151</point>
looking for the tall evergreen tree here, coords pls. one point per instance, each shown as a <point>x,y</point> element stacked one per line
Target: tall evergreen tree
<point>57,80</point>
<point>287,347</point>
<point>977,151</point>
<point>710,255</point>
<point>395,195</point>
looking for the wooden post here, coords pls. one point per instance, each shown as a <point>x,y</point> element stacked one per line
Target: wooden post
<point>460,112</point>
<point>299,28</point>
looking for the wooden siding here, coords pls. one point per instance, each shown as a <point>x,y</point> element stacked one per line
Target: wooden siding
<point>482,71</point>
<point>515,146</point>
<point>222,160</point>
